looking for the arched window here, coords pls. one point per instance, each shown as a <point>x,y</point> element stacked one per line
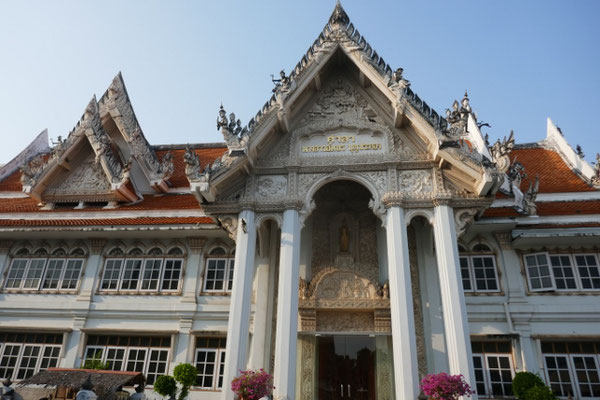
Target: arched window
<point>59,271</point>
<point>175,251</point>
<point>139,273</point>
<point>136,251</point>
<point>478,269</point>
<point>155,251</point>
<point>218,276</point>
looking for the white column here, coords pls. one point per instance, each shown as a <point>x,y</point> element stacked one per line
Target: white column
<point>92,269</point>
<point>192,269</point>
<point>456,325</point>
<point>406,373</point>
<point>287,308</point>
<point>73,348</point>
<point>257,348</point>
<point>239,308</point>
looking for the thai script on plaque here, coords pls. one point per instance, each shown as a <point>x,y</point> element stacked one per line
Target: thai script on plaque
<point>342,144</point>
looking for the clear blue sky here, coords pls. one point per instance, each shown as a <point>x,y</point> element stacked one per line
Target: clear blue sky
<point>520,60</point>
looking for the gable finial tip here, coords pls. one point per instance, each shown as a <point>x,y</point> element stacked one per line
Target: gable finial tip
<point>339,15</point>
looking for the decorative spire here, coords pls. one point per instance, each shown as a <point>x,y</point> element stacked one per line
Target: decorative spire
<point>339,16</point>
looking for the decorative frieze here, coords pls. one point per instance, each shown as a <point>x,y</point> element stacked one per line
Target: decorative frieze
<point>270,186</point>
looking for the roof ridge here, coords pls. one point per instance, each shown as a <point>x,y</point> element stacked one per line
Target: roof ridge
<point>339,27</point>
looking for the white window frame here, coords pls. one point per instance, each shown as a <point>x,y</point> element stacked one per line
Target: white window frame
<point>576,267</point>
<point>158,280</point>
<point>219,360</point>
<point>573,268</point>
<point>19,356</point>
<point>471,271</point>
<point>126,357</point>
<point>44,274</point>
<point>595,357</point>
<point>551,274</point>
<point>570,370</point>
<point>123,261</point>
<point>227,277</point>
<point>486,373</point>
<point>162,278</point>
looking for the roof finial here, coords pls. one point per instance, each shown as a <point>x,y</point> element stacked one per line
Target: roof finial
<point>339,16</point>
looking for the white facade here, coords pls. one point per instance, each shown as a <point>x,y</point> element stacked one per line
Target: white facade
<point>349,240</point>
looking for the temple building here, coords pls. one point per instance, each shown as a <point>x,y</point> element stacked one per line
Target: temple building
<point>348,239</point>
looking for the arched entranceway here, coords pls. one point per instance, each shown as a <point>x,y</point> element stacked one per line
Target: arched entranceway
<point>344,334</point>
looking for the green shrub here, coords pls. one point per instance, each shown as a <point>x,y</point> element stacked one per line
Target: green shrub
<point>95,363</point>
<point>165,385</point>
<point>539,393</point>
<point>184,374</point>
<point>524,381</point>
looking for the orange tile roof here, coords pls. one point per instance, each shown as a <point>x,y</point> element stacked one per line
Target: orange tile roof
<point>205,155</point>
<point>549,209</point>
<point>150,202</point>
<point>555,175</point>
<point>109,221</point>
<point>12,183</point>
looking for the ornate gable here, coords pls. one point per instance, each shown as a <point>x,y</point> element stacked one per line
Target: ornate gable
<point>104,158</point>
<point>344,106</point>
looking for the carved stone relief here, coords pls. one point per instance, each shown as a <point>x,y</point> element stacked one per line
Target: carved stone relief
<point>345,285</point>
<point>415,182</point>
<point>336,321</point>
<point>418,311</point>
<point>86,178</point>
<point>269,186</point>
<point>307,368</point>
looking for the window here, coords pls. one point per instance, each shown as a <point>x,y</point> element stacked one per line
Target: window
<point>22,355</point>
<point>141,274</point>
<point>210,362</point>
<point>145,354</point>
<point>42,273</point>
<point>572,368</point>
<point>493,366</point>
<point>219,272</point>
<point>478,270</point>
<point>562,272</point>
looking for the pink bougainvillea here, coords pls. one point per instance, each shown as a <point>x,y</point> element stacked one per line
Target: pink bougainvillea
<point>445,387</point>
<point>253,385</point>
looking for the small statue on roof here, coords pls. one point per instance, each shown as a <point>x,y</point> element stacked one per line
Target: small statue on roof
<point>501,150</point>
<point>58,147</point>
<point>398,78</point>
<point>457,118</point>
<point>281,82</point>
<point>596,178</point>
<point>235,136</point>
<point>529,206</point>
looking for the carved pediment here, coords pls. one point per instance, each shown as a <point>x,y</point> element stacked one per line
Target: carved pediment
<point>342,288</point>
<point>87,180</point>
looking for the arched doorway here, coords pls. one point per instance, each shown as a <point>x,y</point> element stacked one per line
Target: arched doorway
<point>344,333</point>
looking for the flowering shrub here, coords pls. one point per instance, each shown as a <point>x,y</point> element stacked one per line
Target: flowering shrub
<point>253,385</point>
<point>445,387</point>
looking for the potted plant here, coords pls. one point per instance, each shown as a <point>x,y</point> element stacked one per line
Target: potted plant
<point>253,385</point>
<point>445,387</point>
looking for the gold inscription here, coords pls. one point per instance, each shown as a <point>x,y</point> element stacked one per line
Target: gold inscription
<point>336,144</point>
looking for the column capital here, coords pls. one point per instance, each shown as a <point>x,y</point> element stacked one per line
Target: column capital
<point>504,240</point>
<point>6,244</point>
<point>393,199</point>
<point>97,244</point>
<point>196,242</point>
<point>442,200</point>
